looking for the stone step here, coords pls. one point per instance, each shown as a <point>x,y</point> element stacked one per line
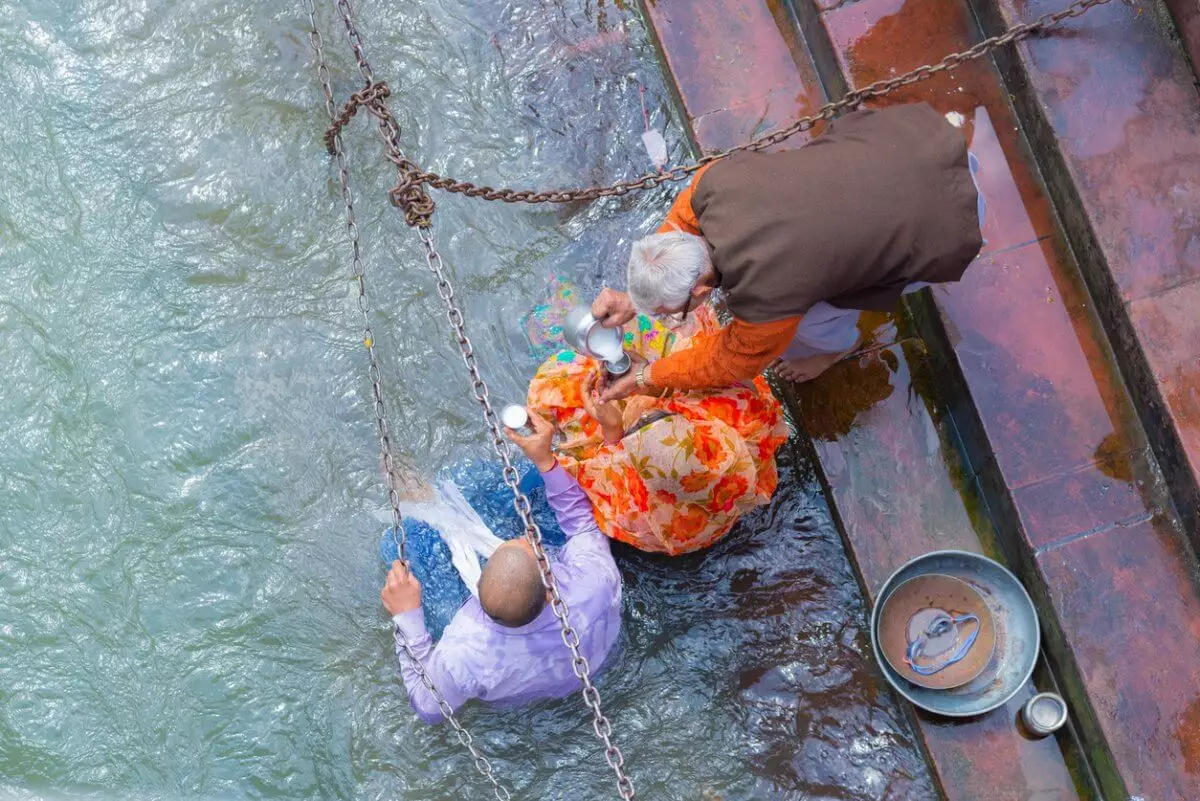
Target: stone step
<point>1113,109</point>
<point>1020,348</point>
<point>888,451</point>
<point>1187,19</point>
<point>883,437</point>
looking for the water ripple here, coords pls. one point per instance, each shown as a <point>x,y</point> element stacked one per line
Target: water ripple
<point>189,593</point>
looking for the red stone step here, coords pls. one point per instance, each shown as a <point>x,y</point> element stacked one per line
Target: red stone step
<point>1187,17</point>
<point>1113,107</point>
<point>740,67</point>
<point>1049,426</point>
<point>883,438</point>
<point>886,446</point>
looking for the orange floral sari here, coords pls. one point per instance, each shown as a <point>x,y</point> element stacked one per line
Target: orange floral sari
<point>690,463</point>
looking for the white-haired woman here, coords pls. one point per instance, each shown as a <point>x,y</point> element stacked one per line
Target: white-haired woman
<point>799,242</point>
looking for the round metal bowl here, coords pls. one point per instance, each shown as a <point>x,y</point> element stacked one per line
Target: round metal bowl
<point>1017,633</point>
<point>910,604</point>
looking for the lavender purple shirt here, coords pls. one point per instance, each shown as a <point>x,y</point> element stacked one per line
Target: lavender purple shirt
<point>479,658</point>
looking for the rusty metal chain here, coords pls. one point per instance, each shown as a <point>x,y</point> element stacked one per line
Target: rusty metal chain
<point>369,97</point>
<point>408,194</point>
<point>390,132</point>
<point>500,444</point>
<point>358,274</point>
<point>826,112</point>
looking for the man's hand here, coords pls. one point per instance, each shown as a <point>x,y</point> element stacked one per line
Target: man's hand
<point>608,415</point>
<point>537,445</point>
<point>612,308</point>
<point>402,592</point>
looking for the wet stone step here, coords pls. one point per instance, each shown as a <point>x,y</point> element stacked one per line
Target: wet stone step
<point>1113,109</point>
<point>899,487</point>
<point>740,67</point>
<point>1048,424</point>
<point>883,438</point>
<point>1187,17</point>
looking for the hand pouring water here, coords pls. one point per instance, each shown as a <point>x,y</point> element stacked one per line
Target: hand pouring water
<point>588,336</point>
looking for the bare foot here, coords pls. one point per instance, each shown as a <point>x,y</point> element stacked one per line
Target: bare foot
<point>808,368</point>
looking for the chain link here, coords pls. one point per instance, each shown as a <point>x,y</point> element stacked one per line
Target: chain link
<point>358,273</point>
<point>410,196</point>
<point>500,444</point>
<point>827,112</point>
<point>368,97</point>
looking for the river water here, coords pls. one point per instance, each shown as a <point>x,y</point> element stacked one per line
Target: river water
<point>190,495</point>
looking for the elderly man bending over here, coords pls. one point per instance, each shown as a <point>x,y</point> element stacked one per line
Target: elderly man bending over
<point>505,645</point>
<point>799,242</point>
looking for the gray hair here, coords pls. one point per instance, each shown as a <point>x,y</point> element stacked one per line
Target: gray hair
<point>663,269</point>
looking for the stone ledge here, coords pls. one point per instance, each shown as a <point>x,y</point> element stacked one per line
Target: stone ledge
<point>1187,17</point>
<point>1111,108</point>
<point>884,442</point>
<point>887,450</point>
<point>1048,426</point>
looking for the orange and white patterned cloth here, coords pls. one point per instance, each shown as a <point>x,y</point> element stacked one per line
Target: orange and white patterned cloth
<point>679,483</point>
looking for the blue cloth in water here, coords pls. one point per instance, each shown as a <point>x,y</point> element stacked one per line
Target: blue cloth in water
<point>482,484</point>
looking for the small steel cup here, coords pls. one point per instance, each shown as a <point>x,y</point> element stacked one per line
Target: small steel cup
<point>579,328</point>
<point>517,418</point>
<point>1044,714</point>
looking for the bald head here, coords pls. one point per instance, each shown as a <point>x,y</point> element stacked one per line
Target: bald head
<point>510,588</point>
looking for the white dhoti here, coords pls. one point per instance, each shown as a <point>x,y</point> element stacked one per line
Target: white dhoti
<point>460,527</point>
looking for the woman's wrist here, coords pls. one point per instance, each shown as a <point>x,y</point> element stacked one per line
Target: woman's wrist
<point>545,463</point>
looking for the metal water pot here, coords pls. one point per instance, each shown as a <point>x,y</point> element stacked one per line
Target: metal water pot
<point>588,336</point>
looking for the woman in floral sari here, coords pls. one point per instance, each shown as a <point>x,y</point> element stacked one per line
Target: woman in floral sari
<point>670,474</point>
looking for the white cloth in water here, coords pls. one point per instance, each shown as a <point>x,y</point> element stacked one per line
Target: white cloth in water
<point>656,148</point>
<point>460,527</point>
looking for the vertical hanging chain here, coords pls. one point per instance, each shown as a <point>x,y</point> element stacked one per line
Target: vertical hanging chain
<point>418,210</point>
<point>570,638</point>
<point>359,276</point>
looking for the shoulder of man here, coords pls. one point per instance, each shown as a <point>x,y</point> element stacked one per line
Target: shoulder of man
<point>591,571</point>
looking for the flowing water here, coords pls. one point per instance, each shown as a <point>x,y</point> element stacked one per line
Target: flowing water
<point>190,498</point>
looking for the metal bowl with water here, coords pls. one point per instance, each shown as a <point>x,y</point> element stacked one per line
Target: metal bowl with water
<point>1016,630</point>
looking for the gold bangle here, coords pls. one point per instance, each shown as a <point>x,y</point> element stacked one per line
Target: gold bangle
<point>641,377</point>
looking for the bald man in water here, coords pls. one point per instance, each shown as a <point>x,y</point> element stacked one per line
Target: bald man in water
<point>505,646</point>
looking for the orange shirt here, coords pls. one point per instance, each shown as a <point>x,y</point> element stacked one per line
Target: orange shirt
<point>740,352</point>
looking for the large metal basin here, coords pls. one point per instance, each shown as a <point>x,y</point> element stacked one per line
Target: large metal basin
<point>1018,634</point>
